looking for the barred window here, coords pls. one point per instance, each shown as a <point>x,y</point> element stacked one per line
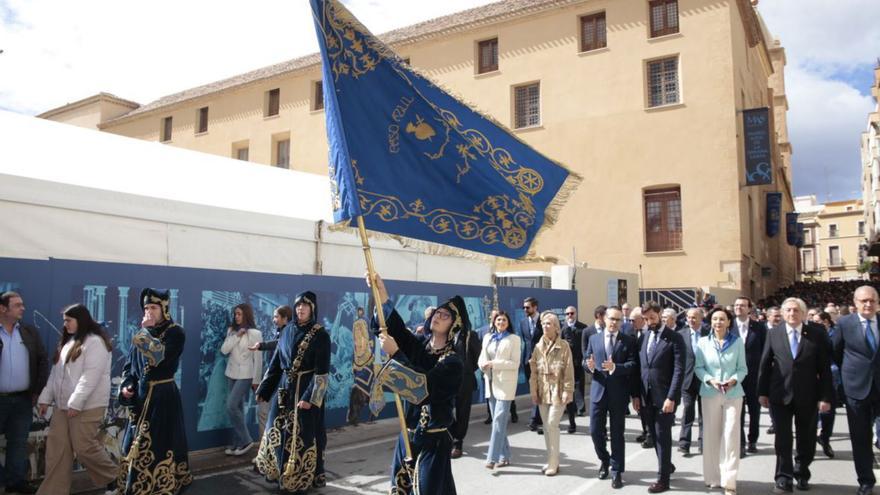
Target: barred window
<point>664,17</point>
<point>593,34</point>
<point>663,87</point>
<point>487,54</point>
<point>527,106</point>
<point>166,129</point>
<point>663,224</point>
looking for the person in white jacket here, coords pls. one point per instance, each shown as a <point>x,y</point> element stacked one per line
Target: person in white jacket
<point>79,388</point>
<point>499,361</point>
<point>244,371</point>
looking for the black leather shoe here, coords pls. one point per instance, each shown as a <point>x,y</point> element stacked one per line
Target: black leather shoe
<point>782,486</point>
<point>658,487</point>
<point>572,428</point>
<point>865,490</point>
<point>771,430</point>
<point>752,449</point>
<point>603,471</point>
<point>648,443</point>
<point>533,427</point>
<point>616,481</point>
<point>803,485</point>
<point>826,448</point>
<point>488,420</point>
<point>540,430</point>
<point>641,438</point>
<point>456,453</point>
<point>23,487</point>
<point>686,451</point>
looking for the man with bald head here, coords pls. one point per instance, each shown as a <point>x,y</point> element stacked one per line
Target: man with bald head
<point>855,351</point>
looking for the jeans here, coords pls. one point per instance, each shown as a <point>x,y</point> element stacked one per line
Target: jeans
<point>499,447</point>
<point>16,413</point>
<point>238,392</point>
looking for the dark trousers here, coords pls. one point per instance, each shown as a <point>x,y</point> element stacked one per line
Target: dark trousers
<point>826,425</point>
<point>598,412</point>
<point>535,418</point>
<point>660,429</point>
<point>750,402</point>
<point>692,407</point>
<point>804,416</point>
<point>16,413</point>
<point>860,417</point>
<point>463,403</point>
<point>572,408</point>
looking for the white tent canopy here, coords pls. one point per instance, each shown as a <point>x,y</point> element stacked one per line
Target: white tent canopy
<point>75,193</point>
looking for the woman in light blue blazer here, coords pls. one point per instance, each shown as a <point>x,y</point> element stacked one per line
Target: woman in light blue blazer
<point>720,365</point>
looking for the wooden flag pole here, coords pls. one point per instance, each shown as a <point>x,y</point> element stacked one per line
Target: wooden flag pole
<point>380,313</point>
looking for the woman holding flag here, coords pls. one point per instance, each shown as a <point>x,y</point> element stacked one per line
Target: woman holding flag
<point>427,374</point>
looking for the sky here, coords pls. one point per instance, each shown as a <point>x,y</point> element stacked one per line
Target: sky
<point>59,51</point>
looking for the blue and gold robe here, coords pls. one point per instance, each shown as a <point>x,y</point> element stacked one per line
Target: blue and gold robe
<point>429,382</point>
<point>155,453</point>
<point>292,448</point>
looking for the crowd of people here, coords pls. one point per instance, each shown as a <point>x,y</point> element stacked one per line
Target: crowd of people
<point>721,365</point>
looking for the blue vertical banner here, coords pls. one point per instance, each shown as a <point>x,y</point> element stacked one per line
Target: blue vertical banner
<point>774,213</point>
<point>756,139</point>
<point>791,228</point>
<point>800,235</point>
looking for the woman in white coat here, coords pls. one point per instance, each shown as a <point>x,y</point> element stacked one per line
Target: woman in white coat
<point>499,361</point>
<point>79,388</point>
<point>244,371</point>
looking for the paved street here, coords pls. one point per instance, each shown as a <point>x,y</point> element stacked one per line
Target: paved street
<point>360,466</point>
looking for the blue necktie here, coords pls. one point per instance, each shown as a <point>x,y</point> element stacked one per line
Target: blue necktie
<point>609,346</point>
<point>869,336</point>
<point>652,343</point>
<point>794,343</point>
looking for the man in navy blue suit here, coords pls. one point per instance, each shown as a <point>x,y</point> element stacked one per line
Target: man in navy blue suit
<point>855,351</point>
<point>611,357</point>
<point>753,334</point>
<point>662,362</point>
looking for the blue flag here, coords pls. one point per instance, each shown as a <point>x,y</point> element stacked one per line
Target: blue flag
<point>414,161</point>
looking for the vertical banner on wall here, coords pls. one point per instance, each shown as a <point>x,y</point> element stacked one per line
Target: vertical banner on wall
<point>791,229</point>
<point>774,213</point>
<point>800,235</point>
<point>756,132</point>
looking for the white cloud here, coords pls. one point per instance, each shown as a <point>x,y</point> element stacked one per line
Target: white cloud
<point>59,51</point>
<point>827,43</point>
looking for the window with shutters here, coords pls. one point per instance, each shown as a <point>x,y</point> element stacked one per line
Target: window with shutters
<point>527,106</point>
<point>273,102</point>
<point>664,17</point>
<point>832,230</point>
<point>166,129</point>
<point>663,85</point>
<point>487,56</point>
<point>663,222</point>
<point>593,34</point>
<point>202,121</point>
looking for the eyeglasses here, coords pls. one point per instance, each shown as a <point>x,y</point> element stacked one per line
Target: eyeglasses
<point>570,313</point>
<point>443,315</point>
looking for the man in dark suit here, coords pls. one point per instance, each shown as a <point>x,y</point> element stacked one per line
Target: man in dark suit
<point>573,333</point>
<point>795,375</point>
<point>530,332</point>
<point>637,329</point>
<point>753,334</point>
<point>690,387</point>
<point>856,341</point>
<point>24,370</point>
<point>662,362</point>
<point>611,391</point>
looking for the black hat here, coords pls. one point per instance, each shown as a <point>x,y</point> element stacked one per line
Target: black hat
<point>154,296</point>
<point>307,297</point>
<point>460,320</point>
